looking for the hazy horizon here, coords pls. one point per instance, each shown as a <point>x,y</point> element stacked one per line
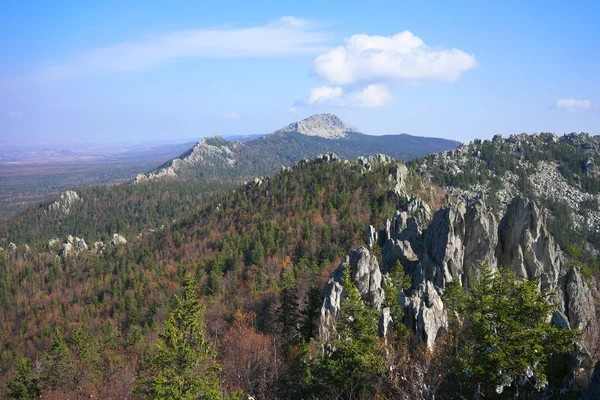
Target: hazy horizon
<point>124,74</point>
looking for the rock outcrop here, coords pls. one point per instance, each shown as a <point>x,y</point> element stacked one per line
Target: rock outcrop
<point>368,279</point>
<point>327,126</point>
<point>64,203</point>
<point>481,240</point>
<point>118,240</point>
<point>444,247</point>
<point>455,244</point>
<point>424,312</point>
<point>579,303</point>
<point>526,246</point>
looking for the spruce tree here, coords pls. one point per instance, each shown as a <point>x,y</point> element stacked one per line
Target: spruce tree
<point>182,364</point>
<point>288,314</point>
<point>23,386</point>
<point>356,358</point>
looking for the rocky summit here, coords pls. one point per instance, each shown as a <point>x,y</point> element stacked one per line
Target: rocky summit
<point>327,126</point>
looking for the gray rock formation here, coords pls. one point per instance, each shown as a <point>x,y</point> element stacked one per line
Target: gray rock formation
<point>579,302</point>
<point>81,245</point>
<point>118,240</point>
<point>66,250</point>
<point>424,312</point>
<point>385,322</point>
<point>526,246</point>
<point>64,203</point>
<point>210,151</point>
<point>367,277</point>
<point>399,175</point>
<point>481,239</point>
<point>444,247</point>
<point>327,126</point>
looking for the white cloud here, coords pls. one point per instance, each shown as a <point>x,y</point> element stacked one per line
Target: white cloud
<point>370,97</point>
<point>232,115</point>
<point>16,114</point>
<point>284,37</point>
<point>573,104</point>
<point>293,109</point>
<point>402,57</point>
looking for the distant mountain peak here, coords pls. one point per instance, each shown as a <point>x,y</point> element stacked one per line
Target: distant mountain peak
<point>328,126</point>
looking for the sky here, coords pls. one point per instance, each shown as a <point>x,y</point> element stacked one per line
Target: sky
<point>135,71</point>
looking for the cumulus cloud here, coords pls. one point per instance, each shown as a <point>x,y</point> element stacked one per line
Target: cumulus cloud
<point>370,97</point>
<point>232,115</point>
<point>284,37</point>
<point>573,104</point>
<point>16,114</point>
<point>402,57</point>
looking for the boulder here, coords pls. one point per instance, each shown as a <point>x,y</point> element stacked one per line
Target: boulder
<point>12,247</point>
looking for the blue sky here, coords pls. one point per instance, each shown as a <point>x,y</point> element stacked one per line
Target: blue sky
<point>127,73</point>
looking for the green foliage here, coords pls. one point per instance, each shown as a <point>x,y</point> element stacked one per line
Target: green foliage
<point>356,360</point>
<point>23,386</point>
<point>311,313</point>
<point>288,314</point>
<point>508,332</point>
<point>182,364</point>
<point>57,366</point>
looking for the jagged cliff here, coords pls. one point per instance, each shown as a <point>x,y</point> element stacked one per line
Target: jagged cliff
<point>451,244</point>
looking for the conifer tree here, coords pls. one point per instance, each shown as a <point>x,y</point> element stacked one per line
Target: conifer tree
<point>23,386</point>
<point>311,313</point>
<point>182,365</point>
<point>57,366</point>
<point>288,314</point>
<point>356,358</point>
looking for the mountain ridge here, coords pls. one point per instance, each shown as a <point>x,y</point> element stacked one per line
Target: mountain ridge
<point>217,158</point>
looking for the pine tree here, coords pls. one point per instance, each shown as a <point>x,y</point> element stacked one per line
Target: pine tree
<point>356,360</point>
<point>182,365</point>
<point>511,337</point>
<point>23,386</point>
<point>288,314</point>
<point>57,367</point>
<point>311,313</point>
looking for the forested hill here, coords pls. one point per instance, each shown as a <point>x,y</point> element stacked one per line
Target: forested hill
<point>330,279</point>
<point>218,159</point>
<point>560,172</point>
